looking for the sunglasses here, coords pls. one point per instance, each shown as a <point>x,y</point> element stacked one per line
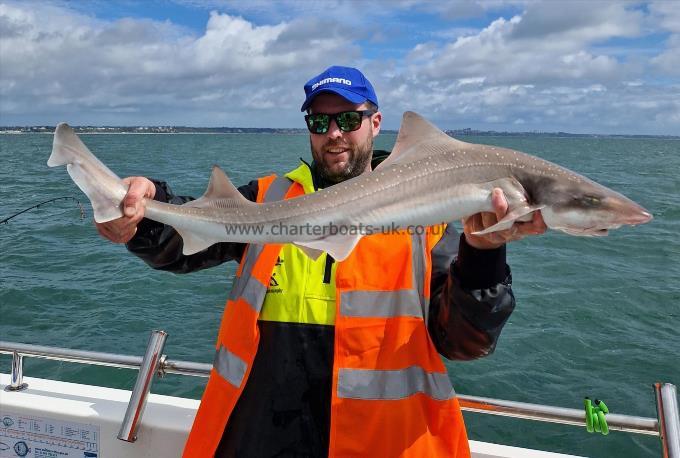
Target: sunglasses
<point>347,121</point>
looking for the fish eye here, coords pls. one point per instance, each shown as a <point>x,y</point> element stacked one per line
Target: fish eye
<point>589,200</point>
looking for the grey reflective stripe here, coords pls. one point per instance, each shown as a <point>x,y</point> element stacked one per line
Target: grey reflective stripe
<point>445,251</point>
<point>418,261</point>
<point>278,189</point>
<point>229,366</point>
<point>254,293</point>
<point>392,385</point>
<point>254,251</point>
<point>384,304</point>
<point>418,245</point>
<point>241,282</point>
<point>245,285</point>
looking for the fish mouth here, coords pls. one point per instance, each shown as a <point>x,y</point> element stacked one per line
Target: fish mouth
<point>587,232</point>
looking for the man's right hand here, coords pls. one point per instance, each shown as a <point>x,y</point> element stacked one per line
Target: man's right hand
<point>121,230</point>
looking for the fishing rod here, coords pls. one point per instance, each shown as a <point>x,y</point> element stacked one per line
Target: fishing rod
<point>82,209</point>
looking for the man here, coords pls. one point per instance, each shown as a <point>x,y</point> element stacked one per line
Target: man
<point>320,358</point>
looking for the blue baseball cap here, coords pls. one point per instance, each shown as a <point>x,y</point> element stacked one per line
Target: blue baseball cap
<point>347,82</point>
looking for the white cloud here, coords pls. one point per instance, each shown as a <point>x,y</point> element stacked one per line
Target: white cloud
<point>667,15</point>
<point>518,51</point>
<point>669,60</point>
<point>571,23</point>
<point>542,66</point>
<point>74,64</point>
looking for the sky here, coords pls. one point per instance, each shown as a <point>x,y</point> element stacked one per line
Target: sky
<point>507,65</point>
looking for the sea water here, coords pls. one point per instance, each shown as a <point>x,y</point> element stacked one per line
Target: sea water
<point>596,317</point>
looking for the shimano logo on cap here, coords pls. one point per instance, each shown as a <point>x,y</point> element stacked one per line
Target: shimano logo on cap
<point>332,80</point>
<point>347,82</point>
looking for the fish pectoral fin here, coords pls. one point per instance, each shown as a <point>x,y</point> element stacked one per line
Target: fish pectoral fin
<point>221,193</point>
<point>338,246</point>
<point>193,243</point>
<point>105,210</point>
<point>311,253</point>
<point>516,214</point>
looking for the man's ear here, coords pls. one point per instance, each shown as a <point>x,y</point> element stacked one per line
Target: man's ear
<point>376,119</point>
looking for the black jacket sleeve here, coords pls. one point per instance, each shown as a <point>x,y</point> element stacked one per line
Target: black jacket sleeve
<point>160,246</point>
<point>471,298</point>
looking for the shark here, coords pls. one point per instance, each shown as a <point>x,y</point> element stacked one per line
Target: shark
<point>429,178</point>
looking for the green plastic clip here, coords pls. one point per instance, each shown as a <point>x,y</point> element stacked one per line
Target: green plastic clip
<point>595,416</point>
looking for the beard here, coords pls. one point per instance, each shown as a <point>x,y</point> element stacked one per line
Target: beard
<point>360,155</point>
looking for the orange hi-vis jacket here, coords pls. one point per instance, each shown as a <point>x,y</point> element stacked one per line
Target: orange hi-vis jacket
<point>391,394</point>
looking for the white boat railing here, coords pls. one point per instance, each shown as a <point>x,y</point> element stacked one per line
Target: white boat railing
<point>666,425</point>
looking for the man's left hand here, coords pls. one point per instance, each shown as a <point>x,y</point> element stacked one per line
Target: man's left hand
<point>481,221</point>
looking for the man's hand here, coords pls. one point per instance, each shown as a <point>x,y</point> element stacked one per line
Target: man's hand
<point>481,221</point>
<point>121,230</point>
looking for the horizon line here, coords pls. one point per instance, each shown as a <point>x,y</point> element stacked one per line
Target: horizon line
<point>174,129</point>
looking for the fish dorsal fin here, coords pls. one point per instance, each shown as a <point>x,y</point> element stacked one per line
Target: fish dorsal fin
<point>220,193</point>
<point>417,139</point>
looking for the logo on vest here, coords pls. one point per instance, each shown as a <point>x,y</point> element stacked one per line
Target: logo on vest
<point>273,283</point>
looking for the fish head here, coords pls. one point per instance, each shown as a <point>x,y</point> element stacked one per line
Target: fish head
<point>583,207</point>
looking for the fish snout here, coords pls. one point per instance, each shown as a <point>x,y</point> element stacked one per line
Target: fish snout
<point>640,218</point>
<point>629,212</point>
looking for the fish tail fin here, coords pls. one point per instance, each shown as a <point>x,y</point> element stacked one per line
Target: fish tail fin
<point>67,148</point>
<point>103,187</point>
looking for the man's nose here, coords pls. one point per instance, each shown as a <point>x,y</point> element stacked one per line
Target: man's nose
<point>333,130</point>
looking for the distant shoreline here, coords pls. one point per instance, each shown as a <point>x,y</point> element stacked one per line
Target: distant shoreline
<point>180,130</point>
<point>87,132</point>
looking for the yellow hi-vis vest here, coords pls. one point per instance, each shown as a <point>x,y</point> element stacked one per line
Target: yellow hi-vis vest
<point>301,290</point>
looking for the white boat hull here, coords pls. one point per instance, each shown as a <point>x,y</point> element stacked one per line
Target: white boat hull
<point>73,420</point>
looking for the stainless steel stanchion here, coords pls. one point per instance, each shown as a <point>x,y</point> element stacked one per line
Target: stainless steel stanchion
<point>669,419</point>
<point>140,393</point>
<point>17,376</point>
